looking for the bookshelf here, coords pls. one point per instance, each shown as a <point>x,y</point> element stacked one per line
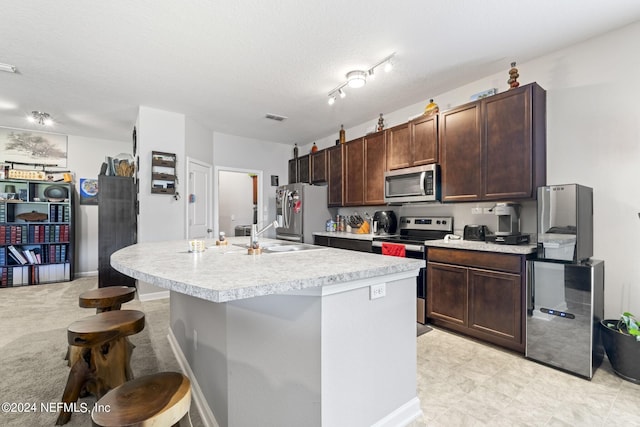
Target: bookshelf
<point>36,232</point>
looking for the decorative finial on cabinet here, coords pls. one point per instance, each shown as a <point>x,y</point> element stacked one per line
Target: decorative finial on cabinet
<point>513,77</point>
<point>431,108</point>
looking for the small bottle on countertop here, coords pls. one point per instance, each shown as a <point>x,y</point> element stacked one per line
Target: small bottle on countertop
<point>314,148</point>
<point>343,137</point>
<point>221,236</point>
<point>295,151</point>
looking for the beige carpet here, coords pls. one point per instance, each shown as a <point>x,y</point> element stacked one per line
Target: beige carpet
<point>33,344</point>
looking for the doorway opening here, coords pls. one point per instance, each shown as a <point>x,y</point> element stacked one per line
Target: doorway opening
<point>237,200</point>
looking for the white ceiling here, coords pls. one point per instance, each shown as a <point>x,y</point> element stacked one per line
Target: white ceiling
<point>226,64</point>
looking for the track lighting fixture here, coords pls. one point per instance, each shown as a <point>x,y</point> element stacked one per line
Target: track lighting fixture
<point>358,78</point>
<point>41,118</point>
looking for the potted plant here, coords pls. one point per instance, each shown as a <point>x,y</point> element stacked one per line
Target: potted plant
<point>621,340</point>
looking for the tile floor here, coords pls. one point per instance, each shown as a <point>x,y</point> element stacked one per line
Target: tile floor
<point>463,382</point>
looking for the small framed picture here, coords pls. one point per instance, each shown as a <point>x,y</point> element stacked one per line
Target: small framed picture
<point>88,191</point>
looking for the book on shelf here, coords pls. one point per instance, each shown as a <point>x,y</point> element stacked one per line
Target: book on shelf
<point>17,255</point>
<point>27,254</point>
<point>38,257</point>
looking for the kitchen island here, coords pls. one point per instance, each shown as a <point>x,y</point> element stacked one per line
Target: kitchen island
<point>322,337</point>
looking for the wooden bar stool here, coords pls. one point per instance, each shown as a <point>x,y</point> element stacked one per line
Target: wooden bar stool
<point>107,299</point>
<point>104,299</point>
<point>161,399</point>
<point>103,358</point>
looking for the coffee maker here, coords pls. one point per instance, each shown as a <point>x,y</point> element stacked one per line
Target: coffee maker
<point>508,228</point>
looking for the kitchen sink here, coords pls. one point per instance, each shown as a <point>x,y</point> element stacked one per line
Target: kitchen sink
<point>296,247</point>
<point>284,247</point>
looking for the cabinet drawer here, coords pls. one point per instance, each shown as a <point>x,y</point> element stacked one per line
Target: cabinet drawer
<point>488,260</point>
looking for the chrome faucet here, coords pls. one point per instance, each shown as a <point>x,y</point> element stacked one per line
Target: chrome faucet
<point>255,233</point>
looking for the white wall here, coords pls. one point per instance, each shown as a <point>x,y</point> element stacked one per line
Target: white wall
<point>162,216</point>
<point>593,134</point>
<point>199,141</point>
<point>252,154</point>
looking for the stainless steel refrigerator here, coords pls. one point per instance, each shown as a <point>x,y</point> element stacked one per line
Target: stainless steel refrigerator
<point>565,287</point>
<point>301,209</point>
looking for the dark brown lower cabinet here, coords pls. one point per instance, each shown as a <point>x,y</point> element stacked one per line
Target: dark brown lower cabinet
<point>480,294</point>
<point>117,226</point>
<point>343,243</point>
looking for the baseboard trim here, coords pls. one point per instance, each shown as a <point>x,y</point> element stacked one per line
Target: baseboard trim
<point>402,416</point>
<point>86,274</point>
<point>153,296</point>
<point>206,414</point>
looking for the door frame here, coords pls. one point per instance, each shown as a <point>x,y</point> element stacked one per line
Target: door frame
<point>189,192</point>
<point>216,202</point>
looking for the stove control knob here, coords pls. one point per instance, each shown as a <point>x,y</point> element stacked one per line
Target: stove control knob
<point>438,222</point>
<point>444,221</point>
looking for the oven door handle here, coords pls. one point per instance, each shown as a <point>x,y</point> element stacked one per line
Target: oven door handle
<point>412,248</point>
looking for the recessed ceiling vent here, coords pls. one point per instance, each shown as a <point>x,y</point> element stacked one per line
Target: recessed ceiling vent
<point>275,117</point>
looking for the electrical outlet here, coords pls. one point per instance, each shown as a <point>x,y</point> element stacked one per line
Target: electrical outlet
<point>476,211</point>
<point>195,339</point>
<point>377,291</point>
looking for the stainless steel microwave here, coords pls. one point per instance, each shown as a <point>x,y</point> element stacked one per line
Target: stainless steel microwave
<point>410,185</point>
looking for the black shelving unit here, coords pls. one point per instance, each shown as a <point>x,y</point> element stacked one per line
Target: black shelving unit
<point>117,225</point>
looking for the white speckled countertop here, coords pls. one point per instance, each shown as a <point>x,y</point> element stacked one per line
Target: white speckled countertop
<point>227,273</point>
<point>482,246</point>
<point>343,235</point>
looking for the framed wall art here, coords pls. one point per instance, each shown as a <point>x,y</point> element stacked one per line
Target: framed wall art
<point>32,147</point>
<point>88,191</point>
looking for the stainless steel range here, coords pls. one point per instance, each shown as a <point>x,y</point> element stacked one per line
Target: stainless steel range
<point>414,231</point>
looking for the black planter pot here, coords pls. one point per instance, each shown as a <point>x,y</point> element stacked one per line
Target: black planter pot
<point>623,352</point>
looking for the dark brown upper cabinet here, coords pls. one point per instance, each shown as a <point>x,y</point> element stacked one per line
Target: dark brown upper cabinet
<point>413,144</point>
<point>374,167</point>
<point>354,172</point>
<point>495,148</point>
<point>335,175</point>
<point>304,168</point>
<point>319,167</point>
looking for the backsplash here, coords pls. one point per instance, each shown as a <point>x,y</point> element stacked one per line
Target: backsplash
<point>461,212</point>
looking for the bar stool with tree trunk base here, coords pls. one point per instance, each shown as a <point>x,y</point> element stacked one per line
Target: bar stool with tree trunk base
<point>104,359</point>
<point>107,299</point>
<point>161,399</point>
<point>104,299</point>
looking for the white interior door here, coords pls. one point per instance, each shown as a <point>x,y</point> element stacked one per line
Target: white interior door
<point>199,200</point>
